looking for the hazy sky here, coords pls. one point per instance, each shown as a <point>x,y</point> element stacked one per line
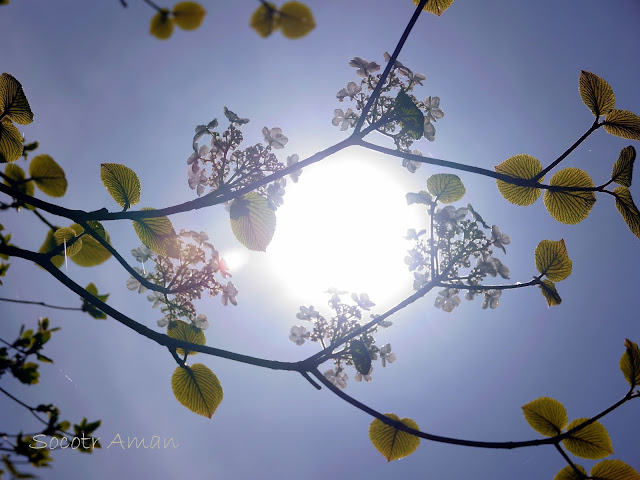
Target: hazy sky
<point>103,90</point>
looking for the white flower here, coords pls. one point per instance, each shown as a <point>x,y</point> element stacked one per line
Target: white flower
<point>197,180</point>
<point>363,302</point>
<point>339,379</point>
<point>157,298</point>
<point>134,284</point>
<point>298,334</point>
<point>274,137</point>
<point>347,119</point>
<point>447,299</point>
<point>386,355</point>
<point>275,193</point>
<point>351,91</point>
<point>429,129</point>
<point>488,265</point>
<point>402,69</point>
<point>413,235</point>
<point>164,321</point>
<point>419,280</point>
<point>229,292</point>
<point>413,260</point>
<point>412,165</point>
<point>195,156</point>
<point>201,321</point>
<point>499,239</point>
<point>449,217</point>
<point>307,313</point>
<point>414,78</point>
<point>367,378</point>
<point>491,299</point>
<point>432,105</point>
<point>364,67</point>
<point>291,160</point>
<point>142,253</point>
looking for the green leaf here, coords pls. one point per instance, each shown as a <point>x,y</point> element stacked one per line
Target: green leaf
<point>409,115</point>
<point>570,207</point>
<point>546,416</point>
<point>552,260</point>
<point>550,293</point>
<point>92,252</point>
<point>13,102</point>
<point>252,221</point>
<point>623,123</point>
<point>48,175</point>
<point>158,234</point>
<point>187,332</point>
<point>519,166</point>
<point>15,173</point>
<point>27,373</point>
<point>188,15</point>
<point>10,142</point>
<point>568,473</point>
<point>264,19</point>
<point>361,357</point>
<point>296,20</point>
<point>392,443</point>
<point>64,236</point>
<point>89,308</point>
<point>437,7</point>
<point>596,93</point>
<point>122,183</point>
<point>628,209</point>
<point>591,442</point>
<point>48,245</point>
<point>161,24</point>
<point>445,187</point>
<point>630,363</point>
<point>623,168</point>
<point>614,470</point>
<point>197,388</point>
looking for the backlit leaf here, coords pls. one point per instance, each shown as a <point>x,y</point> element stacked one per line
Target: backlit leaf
<point>596,93</point>
<point>296,20</point>
<point>161,25</point>
<point>89,308</point>
<point>445,187</point>
<point>519,166</point>
<point>64,236</point>
<point>623,168</point>
<point>614,470</point>
<point>265,19</point>
<point>570,207</point>
<point>252,221</point>
<point>437,7</point>
<point>13,102</point>
<point>158,234</point>
<point>409,115</point>
<point>188,15</point>
<point>550,293</point>
<point>623,123</point>
<point>10,142</point>
<point>630,363</point>
<point>552,260</point>
<point>392,443</point>
<point>48,245</point>
<point>591,442</point>
<point>92,253</point>
<point>187,332</point>
<point>546,416</point>
<point>15,173</point>
<point>48,175</point>
<point>361,357</point>
<point>568,473</point>
<point>628,209</point>
<point>197,388</point>
<point>122,183</point>
<point>420,197</point>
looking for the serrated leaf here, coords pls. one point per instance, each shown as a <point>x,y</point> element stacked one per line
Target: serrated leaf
<point>10,142</point>
<point>48,175</point>
<point>48,245</point>
<point>628,209</point>
<point>158,234</point>
<point>392,443</point>
<point>64,236</point>
<point>623,168</point>
<point>264,19</point>
<point>13,101</point>
<point>409,115</point>
<point>550,293</point>
<point>122,183</point>
<point>296,20</point>
<point>596,93</point>
<point>446,187</point>
<point>92,253</point>
<point>437,7</point>
<point>623,123</point>
<point>546,416</point>
<point>197,388</point>
<point>89,308</point>
<point>252,221</point>
<point>591,442</point>
<point>15,173</point>
<point>161,25</point>
<point>614,470</point>
<point>519,166</point>
<point>552,260</point>
<point>188,15</point>
<point>630,363</point>
<point>570,207</point>
<point>568,473</point>
<point>360,356</point>
<point>187,332</point>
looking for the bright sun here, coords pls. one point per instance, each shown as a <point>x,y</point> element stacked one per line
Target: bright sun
<point>343,225</point>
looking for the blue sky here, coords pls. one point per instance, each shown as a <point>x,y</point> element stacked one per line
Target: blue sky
<point>103,90</point>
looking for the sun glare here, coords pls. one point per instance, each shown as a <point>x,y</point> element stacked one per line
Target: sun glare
<point>343,225</point>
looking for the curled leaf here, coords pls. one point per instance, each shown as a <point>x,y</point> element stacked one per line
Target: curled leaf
<point>550,293</point>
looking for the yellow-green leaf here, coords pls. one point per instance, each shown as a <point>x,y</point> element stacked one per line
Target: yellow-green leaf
<point>437,7</point>
<point>614,470</point>
<point>296,20</point>
<point>48,175</point>
<point>197,388</point>
<point>591,442</point>
<point>546,416</point>
<point>189,15</point>
<point>64,236</point>
<point>446,187</point>
<point>550,293</point>
<point>570,207</point>
<point>187,332</point>
<point>252,221</point>
<point>158,234</point>
<point>409,115</point>
<point>552,260</point>
<point>623,168</point>
<point>628,209</point>
<point>92,253</point>
<point>161,25</point>
<point>360,356</point>
<point>596,93</point>
<point>10,142</point>
<point>122,183</point>
<point>89,308</point>
<point>17,175</point>
<point>519,166</point>
<point>623,123</point>
<point>392,443</point>
<point>265,19</point>
<point>568,473</point>
<point>13,102</point>
<point>630,363</point>
<point>48,245</point>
